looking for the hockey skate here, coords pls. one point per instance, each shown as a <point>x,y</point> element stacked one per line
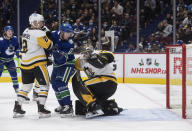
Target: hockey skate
<point>66,111</point>
<point>94,110</point>
<point>17,111</point>
<point>43,113</point>
<point>111,108</point>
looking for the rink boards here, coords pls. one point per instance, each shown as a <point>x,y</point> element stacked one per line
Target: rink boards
<point>129,68</point>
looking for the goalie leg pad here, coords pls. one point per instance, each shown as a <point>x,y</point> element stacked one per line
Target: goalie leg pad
<point>80,109</point>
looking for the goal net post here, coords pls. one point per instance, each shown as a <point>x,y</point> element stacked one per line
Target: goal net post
<point>179,79</point>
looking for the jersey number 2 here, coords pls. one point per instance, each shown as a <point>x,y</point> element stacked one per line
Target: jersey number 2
<point>24,46</point>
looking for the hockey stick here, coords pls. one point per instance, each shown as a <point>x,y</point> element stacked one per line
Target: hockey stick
<point>10,68</point>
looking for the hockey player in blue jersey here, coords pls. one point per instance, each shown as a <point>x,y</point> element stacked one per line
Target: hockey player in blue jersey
<point>63,67</point>
<point>8,47</point>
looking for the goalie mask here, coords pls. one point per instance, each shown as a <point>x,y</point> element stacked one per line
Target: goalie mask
<point>36,20</point>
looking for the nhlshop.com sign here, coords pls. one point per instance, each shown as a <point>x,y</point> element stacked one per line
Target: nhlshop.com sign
<point>145,66</point>
<point>147,71</point>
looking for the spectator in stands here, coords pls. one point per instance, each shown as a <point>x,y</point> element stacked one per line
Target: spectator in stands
<point>131,48</point>
<point>181,5</point>
<point>117,29</point>
<point>105,25</point>
<point>126,26</point>
<point>168,29</point>
<point>188,19</point>
<point>169,18</point>
<point>85,17</point>
<point>105,42</point>
<point>143,42</point>
<point>117,9</point>
<point>93,36</point>
<point>7,11</point>
<point>147,10</point>
<point>139,49</point>
<point>155,47</point>
<point>186,35</point>
<point>78,26</point>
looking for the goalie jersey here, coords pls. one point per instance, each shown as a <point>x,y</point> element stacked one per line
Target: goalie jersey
<point>100,63</point>
<point>34,41</point>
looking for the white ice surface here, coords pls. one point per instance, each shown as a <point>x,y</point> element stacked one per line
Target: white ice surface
<point>144,111</point>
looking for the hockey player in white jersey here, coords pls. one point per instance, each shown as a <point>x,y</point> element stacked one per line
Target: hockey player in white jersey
<point>33,65</point>
<point>101,84</point>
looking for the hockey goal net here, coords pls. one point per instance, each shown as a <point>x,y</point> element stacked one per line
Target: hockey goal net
<point>179,79</point>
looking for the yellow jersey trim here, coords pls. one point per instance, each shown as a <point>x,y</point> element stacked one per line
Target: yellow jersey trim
<point>99,79</point>
<point>31,59</point>
<point>33,66</point>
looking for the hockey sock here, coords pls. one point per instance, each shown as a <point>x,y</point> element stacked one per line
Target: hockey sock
<point>15,85</point>
<point>63,97</point>
<point>42,94</point>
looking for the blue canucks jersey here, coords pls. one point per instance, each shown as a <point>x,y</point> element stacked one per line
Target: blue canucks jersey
<point>8,48</point>
<point>63,54</point>
<point>117,30</point>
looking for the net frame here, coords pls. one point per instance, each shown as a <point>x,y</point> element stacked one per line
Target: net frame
<point>168,99</point>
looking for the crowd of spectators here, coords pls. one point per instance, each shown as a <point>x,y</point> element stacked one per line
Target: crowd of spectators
<point>116,15</point>
<point>163,35</point>
<point>7,11</point>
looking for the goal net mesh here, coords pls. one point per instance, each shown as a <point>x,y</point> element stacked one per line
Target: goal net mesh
<point>180,79</point>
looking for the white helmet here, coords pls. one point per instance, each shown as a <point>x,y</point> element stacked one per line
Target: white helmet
<point>35,17</point>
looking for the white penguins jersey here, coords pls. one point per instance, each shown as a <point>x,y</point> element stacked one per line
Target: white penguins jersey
<point>91,71</point>
<point>34,41</point>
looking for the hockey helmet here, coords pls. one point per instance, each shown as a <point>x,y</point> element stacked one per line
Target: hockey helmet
<point>6,28</point>
<point>66,27</point>
<point>180,42</point>
<point>35,17</point>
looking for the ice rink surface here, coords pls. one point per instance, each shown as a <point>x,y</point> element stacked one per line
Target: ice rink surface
<point>144,111</point>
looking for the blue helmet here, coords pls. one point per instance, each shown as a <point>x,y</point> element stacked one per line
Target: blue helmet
<point>66,27</point>
<point>6,28</point>
<point>180,42</point>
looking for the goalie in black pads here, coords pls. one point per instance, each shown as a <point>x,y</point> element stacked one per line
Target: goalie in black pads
<point>101,84</point>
